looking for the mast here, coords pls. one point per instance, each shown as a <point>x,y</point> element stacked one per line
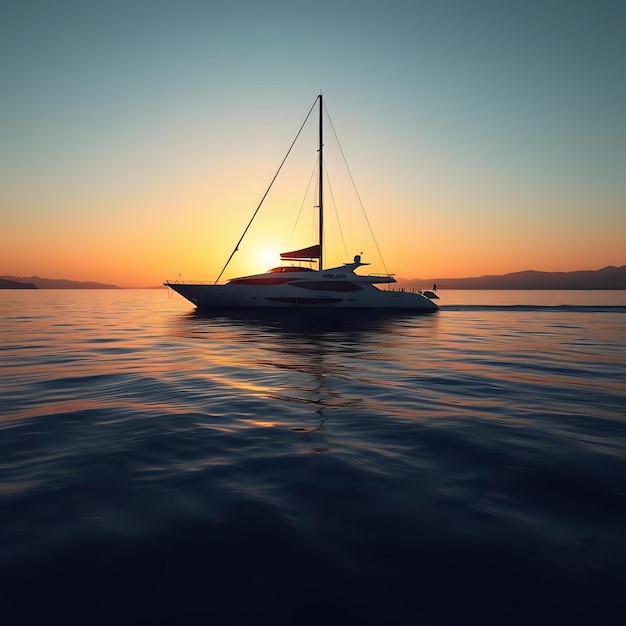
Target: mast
<point>321,192</point>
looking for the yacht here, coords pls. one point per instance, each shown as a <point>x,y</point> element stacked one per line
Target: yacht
<point>294,286</point>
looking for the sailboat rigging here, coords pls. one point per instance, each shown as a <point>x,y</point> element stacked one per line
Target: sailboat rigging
<point>291,286</point>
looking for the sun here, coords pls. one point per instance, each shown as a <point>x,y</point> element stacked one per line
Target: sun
<point>267,257</point>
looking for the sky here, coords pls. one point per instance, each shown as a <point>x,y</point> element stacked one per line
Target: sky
<point>137,137</point>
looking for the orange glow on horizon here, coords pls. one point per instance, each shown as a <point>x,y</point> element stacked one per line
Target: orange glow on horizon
<point>186,226</point>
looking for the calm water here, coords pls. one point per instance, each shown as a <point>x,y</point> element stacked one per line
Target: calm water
<point>466,467</point>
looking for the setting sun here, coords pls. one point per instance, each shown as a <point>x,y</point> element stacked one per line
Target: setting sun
<point>266,258</point>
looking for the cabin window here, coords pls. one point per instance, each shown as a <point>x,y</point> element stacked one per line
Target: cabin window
<point>327,285</point>
<point>288,268</point>
<point>269,280</point>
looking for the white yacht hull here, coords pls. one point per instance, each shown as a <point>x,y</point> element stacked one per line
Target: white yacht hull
<point>288,296</point>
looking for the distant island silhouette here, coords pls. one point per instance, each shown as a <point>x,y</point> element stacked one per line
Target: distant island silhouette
<point>606,278</point>
<point>16,284</point>
<point>34,282</point>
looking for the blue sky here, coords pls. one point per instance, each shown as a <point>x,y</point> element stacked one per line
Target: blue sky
<point>491,132</point>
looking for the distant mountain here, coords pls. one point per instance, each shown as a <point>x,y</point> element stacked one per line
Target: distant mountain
<point>15,284</point>
<point>607,278</point>
<point>51,283</point>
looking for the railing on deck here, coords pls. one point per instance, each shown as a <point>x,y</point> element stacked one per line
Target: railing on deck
<point>189,282</point>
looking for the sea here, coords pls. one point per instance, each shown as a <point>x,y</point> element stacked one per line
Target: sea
<point>162,466</point>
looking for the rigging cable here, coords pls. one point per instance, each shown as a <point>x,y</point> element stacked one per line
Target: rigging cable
<point>356,190</point>
<point>332,197</point>
<point>232,254</point>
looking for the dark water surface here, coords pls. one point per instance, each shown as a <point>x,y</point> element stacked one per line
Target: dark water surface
<point>466,467</point>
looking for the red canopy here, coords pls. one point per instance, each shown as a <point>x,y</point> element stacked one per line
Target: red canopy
<point>312,252</point>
